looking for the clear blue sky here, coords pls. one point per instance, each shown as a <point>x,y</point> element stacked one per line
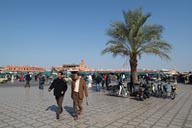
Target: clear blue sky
<point>54,32</point>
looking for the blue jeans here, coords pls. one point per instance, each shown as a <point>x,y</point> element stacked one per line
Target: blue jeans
<point>41,86</point>
<point>98,87</point>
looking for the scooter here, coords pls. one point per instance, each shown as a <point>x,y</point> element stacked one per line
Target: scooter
<point>159,90</point>
<point>119,90</point>
<point>114,90</point>
<point>123,91</point>
<point>154,89</point>
<point>139,91</point>
<point>147,92</point>
<point>172,94</point>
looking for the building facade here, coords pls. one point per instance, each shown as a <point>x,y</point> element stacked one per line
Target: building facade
<point>1,68</point>
<point>71,67</point>
<point>23,69</point>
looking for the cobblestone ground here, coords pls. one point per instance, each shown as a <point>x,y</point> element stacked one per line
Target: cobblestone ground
<point>33,108</point>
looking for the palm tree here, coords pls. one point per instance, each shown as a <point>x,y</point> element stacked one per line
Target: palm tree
<point>132,38</point>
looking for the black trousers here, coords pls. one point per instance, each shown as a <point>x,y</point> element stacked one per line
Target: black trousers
<point>27,84</point>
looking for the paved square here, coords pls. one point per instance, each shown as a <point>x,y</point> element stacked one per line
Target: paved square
<point>33,108</point>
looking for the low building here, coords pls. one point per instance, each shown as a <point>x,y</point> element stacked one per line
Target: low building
<point>71,67</point>
<point>23,69</point>
<point>1,68</point>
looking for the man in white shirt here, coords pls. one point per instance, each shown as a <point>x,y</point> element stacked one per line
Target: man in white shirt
<point>78,90</point>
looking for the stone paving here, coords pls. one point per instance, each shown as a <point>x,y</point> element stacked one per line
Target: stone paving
<point>33,108</point>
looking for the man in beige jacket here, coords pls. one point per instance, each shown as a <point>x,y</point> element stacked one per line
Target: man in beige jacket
<point>78,90</point>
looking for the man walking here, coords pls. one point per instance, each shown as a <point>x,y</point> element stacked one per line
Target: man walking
<point>98,82</point>
<point>28,79</point>
<point>60,87</point>
<point>78,90</point>
<point>41,81</point>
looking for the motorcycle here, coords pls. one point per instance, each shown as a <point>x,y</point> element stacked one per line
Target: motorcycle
<point>139,91</point>
<point>119,90</point>
<point>114,90</point>
<point>172,94</point>
<point>159,90</point>
<point>147,91</point>
<point>154,89</point>
<point>123,91</point>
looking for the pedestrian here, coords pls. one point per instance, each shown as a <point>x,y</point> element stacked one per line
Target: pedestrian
<point>41,81</point>
<point>108,81</point>
<point>98,82</point>
<point>78,90</point>
<point>103,81</point>
<point>28,79</point>
<point>89,81</point>
<point>21,78</point>
<point>36,77</point>
<point>60,87</point>
<point>12,79</point>
<point>147,78</point>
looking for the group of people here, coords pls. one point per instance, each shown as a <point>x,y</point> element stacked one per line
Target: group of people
<point>102,80</point>
<point>28,78</point>
<point>78,91</point>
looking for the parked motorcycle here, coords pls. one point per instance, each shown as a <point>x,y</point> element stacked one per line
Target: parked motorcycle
<point>139,91</point>
<point>119,90</point>
<point>123,90</point>
<point>147,90</point>
<point>154,89</point>
<point>159,90</point>
<point>114,90</point>
<point>142,90</point>
<point>172,94</point>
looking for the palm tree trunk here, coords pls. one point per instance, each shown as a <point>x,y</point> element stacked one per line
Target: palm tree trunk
<point>133,65</point>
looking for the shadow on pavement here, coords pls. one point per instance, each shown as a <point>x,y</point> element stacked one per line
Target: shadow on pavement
<point>135,98</point>
<point>69,110</point>
<point>52,108</point>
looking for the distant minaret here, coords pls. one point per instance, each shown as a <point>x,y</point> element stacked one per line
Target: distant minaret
<point>82,66</point>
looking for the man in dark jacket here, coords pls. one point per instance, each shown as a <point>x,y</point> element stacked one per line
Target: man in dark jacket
<point>41,81</point>
<point>60,87</point>
<point>28,79</point>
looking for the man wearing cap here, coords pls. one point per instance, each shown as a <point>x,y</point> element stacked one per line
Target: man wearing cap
<point>60,87</point>
<point>78,90</point>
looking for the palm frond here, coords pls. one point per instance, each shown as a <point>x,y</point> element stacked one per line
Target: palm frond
<point>151,32</point>
<point>134,21</point>
<point>158,48</point>
<point>116,48</point>
<point>117,31</point>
